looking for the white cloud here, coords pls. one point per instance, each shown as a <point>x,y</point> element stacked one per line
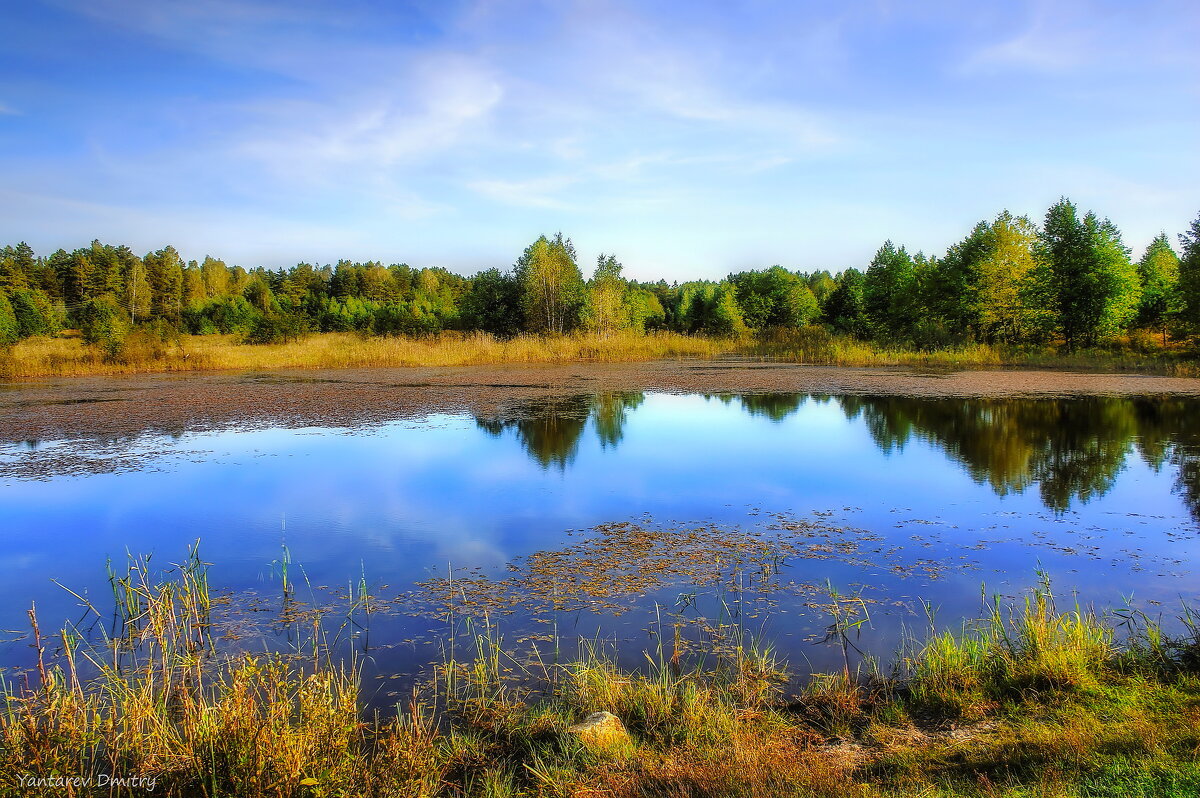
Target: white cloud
<point>541,192</point>
<point>439,102</point>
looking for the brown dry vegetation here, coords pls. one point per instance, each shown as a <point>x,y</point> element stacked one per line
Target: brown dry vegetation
<point>68,355</point>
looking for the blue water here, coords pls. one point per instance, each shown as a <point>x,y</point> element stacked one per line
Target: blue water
<point>1099,493</point>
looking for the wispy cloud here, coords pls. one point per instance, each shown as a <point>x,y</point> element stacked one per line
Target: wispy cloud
<point>434,108</point>
<point>544,192</point>
<point>694,137</point>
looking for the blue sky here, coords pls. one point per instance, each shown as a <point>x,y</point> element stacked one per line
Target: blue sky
<point>690,138</point>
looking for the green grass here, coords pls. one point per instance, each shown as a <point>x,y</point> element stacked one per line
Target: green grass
<point>1015,651</point>
<point>1029,700</point>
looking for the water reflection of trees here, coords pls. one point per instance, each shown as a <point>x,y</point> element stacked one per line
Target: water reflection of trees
<point>1072,450</point>
<point>550,429</point>
<point>775,406</point>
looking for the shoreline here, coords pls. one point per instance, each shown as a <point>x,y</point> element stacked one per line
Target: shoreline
<point>1023,701</point>
<point>58,408</point>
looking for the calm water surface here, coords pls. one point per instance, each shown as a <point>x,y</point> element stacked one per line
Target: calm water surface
<point>897,500</point>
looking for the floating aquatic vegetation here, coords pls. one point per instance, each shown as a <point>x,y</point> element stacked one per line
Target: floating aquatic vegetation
<point>617,564</point>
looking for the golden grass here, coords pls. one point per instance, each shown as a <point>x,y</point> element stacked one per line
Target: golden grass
<point>68,355</point>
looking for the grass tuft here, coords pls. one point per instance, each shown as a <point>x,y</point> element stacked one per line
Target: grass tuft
<point>1011,652</point>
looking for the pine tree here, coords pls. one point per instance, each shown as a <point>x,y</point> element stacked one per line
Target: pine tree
<point>164,272</point>
<point>1158,271</point>
<point>890,292</point>
<point>1089,278</point>
<point>1189,277</point>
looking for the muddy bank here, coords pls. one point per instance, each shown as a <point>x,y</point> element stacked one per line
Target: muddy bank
<point>112,408</point>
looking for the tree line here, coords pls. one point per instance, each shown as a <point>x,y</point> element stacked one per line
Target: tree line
<point>1070,279</point>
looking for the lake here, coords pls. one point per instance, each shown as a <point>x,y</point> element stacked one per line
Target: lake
<point>620,518</point>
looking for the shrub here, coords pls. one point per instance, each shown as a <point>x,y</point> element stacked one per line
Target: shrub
<point>36,314</point>
<point>277,328</point>
<point>1144,342</point>
<point>103,322</point>
<point>226,314</point>
<point>8,323</point>
<point>397,318</point>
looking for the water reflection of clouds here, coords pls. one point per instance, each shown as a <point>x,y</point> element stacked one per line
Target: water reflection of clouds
<point>399,499</point>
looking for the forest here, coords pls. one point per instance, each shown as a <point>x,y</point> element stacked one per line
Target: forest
<point>1070,281</point>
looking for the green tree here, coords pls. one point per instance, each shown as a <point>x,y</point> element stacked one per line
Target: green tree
<point>890,292</point>
<point>9,332</point>
<point>137,293</point>
<point>1159,273</point>
<point>164,272</point>
<point>605,310</point>
<point>774,297</point>
<point>1189,277</point>
<point>105,323</point>
<point>18,266</point>
<point>215,276</point>
<point>1119,276</point>
<point>259,294</point>
<point>1004,271</point>
<point>1088,277</point>
<point>193,285</point>
<point>644,310</point>
<point>105,269</point>
<point>952,288</point>
<point>978,287</point>
<point>68,273</point>
<point>493,303</point>
<point>35,313</point>
<point>725,318</point>
<point>694,306</point>
<point>231,314</point>
<point>551,285</point>
<point>822,285</point>
<point>846,309</point>
<point>277,328</point>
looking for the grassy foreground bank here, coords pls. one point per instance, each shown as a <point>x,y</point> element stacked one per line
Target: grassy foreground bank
<point>1030,700</point>
<point>68,355</point>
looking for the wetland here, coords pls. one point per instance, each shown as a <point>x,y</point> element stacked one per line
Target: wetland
<point>569,504</point>
<point>779,580</point>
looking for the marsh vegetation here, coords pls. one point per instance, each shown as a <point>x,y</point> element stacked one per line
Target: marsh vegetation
<point>1029,698</point>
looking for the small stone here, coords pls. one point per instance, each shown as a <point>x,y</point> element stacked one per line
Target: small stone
<point>601,730</point>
